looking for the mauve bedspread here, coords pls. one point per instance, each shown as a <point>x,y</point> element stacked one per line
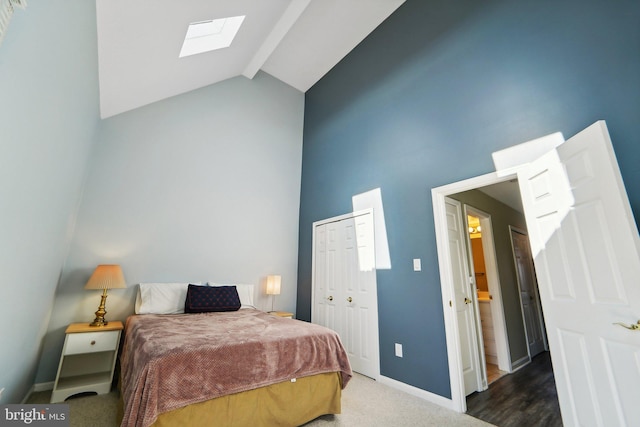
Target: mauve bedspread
<point>170,361</point>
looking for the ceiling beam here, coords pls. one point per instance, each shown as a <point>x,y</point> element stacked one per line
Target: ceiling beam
<point>288,19</point>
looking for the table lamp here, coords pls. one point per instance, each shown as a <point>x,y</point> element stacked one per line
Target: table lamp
<point>105,277</point>
<point>273,287</point>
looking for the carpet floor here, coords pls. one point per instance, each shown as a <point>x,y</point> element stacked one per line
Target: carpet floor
<point>365,403</point>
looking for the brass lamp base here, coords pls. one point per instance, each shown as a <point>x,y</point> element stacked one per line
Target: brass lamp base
<point>99,320</point>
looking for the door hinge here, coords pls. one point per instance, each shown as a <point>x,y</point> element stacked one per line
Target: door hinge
<point>450,304</point>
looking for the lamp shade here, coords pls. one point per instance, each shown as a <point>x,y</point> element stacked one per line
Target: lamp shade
<point>273,285</point>
<point>106,276</point>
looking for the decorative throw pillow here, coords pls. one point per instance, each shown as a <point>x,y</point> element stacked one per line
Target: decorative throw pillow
<point>203,299</point>
<point>245,292</point>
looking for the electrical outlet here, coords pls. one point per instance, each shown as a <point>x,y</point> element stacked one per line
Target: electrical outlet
<point>398,350</point>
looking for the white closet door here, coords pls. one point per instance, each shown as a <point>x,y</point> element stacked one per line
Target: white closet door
<point>319,306</point>
<point>334,271</point>
<point>345,297</point>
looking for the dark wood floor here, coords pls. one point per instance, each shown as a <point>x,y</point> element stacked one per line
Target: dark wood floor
<point>525,398</point>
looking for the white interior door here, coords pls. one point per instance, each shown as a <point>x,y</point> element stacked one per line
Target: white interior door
<point>585,246</point>
<point>359,297</point>
<point>463,299</point>
<point>532,316</point>
<point>498,325</point>
<point>328,276</point>
<point>345,294</point>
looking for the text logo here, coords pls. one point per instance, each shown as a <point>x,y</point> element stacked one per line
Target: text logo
<point>54,415</point>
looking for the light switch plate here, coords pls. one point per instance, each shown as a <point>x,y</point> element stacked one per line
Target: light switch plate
<point>398,350</point>
<point>417,264</point>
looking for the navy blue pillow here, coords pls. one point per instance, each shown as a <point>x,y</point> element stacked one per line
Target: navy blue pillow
<point>203,299</point>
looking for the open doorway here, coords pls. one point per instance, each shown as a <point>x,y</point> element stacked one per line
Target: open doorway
<point>501,270</point>
<point>482,259</point>
<point>500,276</point>
<point>495,202</point>
<point>588,281</point>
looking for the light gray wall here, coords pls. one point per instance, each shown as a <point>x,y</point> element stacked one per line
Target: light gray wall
<point>48,114</point>
<point>200,187</point>
<point>502,216</point>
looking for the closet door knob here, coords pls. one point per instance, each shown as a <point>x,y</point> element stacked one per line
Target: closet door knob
<point>330,298</point>
<point>349,299</point>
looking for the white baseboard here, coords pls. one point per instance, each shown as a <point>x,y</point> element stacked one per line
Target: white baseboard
<point>520,363</point>
<point>38,387</point>
<point>43,386</point>
<point>26,397</point>
<point>418,392</point>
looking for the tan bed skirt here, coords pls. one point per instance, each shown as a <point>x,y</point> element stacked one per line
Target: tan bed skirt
<point>284,404</point>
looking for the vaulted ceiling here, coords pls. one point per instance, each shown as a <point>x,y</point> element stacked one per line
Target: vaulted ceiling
<point>296,41</point>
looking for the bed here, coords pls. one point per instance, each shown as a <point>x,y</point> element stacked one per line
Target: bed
<point>230,368</point>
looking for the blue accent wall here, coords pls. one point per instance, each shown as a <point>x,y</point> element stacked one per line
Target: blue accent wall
<point>425,100</point>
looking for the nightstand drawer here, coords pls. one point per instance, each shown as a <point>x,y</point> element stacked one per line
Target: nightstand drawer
<point>91,342</point>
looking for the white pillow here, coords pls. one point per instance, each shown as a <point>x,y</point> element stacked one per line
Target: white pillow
<point>161,298</point>
<point>245,292</point>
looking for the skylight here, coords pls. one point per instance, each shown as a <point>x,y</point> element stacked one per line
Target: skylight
<point>205,36</point>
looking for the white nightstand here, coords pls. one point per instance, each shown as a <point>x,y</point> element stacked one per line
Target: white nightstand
<point>282,314</point>
<point>88,360</point>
